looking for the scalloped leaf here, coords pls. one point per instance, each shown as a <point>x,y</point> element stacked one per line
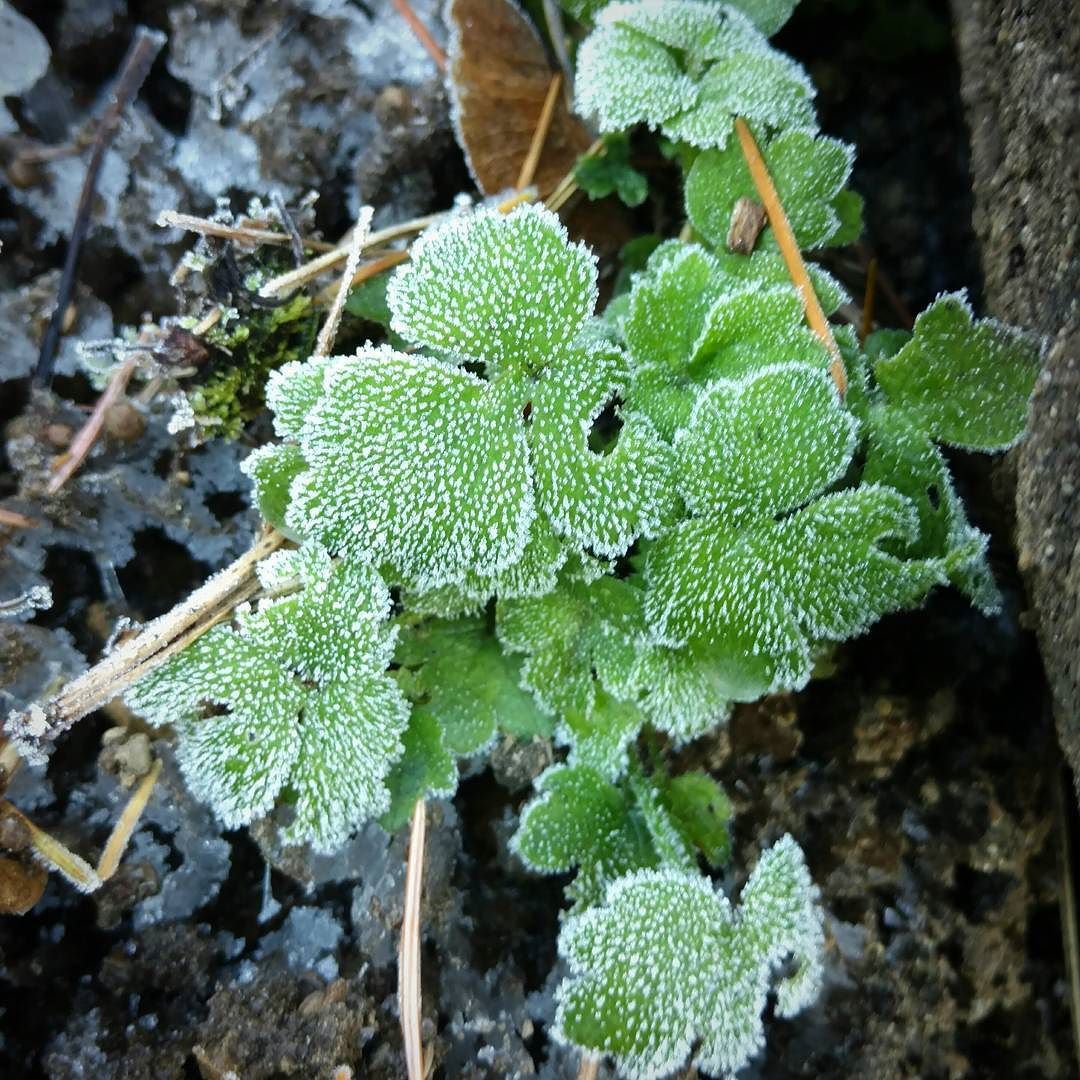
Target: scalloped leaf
<point>901,455</point>
<point>292,700</point>
<point>599,737</point>
<point>664,964</point>
<point>425,768</point>
<point>416,464</point>
<point>759,597</point>
<point>579,820</point>
<point>602,501</point>
<point>625,78</point>
<point>561,634</point>
<point>764,444</point>
<point>764,87</point>
<point>466,683</point>
<point>964,381</point>
<point>509,291</point>
<point>702,812</point>
<point>809,172</point>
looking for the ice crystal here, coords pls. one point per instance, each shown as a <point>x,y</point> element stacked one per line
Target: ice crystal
<point>965,382</point>
<point>809,172</point>
<point>291,701</point>
<point>665,964</point>
<point>687,67</point>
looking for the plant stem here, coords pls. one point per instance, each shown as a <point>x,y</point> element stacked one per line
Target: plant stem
<point>329,330</point>
<point>171,219</point>
<point>417,26</point>
<point>33,730</point>
<point>789,249</point>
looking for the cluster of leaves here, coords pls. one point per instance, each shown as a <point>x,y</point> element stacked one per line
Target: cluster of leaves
<point>604,528</point>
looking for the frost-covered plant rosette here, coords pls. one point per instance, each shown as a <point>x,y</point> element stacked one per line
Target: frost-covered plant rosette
<point>606,528</point>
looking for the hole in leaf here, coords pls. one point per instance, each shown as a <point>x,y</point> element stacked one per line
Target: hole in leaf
<point>207,710</point>
<point>604,433</point>
<point>934,496</point>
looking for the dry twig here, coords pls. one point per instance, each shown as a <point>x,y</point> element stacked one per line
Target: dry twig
<point>69,462</point>
<point>361,232</point>
<point>409,1004</point>
<point>417,26</point>
<point>145,46</point>
<point>245,234</point>
<point>543,126</point>
<point>31,731</point>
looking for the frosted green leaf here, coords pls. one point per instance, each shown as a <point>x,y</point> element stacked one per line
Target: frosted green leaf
<point>809,172</point>
<point>710,586</point>
<point>579,819</point>
<point>291,393</point>
<point>964,381</point>
<point>764,444</point>
<point>831,561</point>
<point>415,464</point>
<point>753,327</point>
<point>463,679</point>
<point>671,846</point>
<point>759,597</point>
<point>625,78</point>
<point>669,304</point>
<point>292,701</point>
<point>767,268</point>
<point>560,634</point>
<point>599,500</point>
<point>698,31</point>
<point>684,692</point>
<point>425,768</point>
<point>664,964</point>
<point>767,15</point>
<point>238,757</point>
<point>349,735</point>
<point>764,87</point>
<point>904,457</point>
<point>701,810</point>
<point>534,574</point>
<point>272,469</point>
<point>599,738</point>
<point>509,291</point>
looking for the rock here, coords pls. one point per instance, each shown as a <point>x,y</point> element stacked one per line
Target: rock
<point>1021,85</point>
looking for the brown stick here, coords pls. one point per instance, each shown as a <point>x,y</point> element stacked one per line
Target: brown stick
<point>789,249</point>
<point>88,433</point>
<point>14,520</point>
<point>409,1004</point>
<point>543,126</point>
<point>33,730</point>
<point>145,46</point>
<point>125,825</point>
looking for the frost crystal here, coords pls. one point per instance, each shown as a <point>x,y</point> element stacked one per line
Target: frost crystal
<point>664,963</point>
<point>292,701</point>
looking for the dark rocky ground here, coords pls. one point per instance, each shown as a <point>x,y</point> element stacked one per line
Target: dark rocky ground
<point>923,779</point>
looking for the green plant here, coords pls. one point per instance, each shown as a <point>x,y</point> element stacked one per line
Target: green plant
<point>605,527</point>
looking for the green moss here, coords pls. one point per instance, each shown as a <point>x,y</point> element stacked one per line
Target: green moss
<point>253,346</point>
